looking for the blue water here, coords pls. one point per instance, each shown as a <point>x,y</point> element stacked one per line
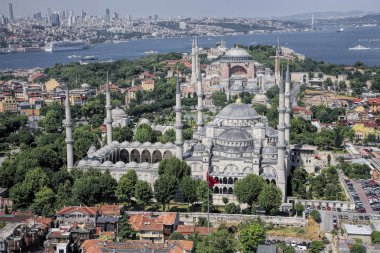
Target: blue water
<point>328,46</point>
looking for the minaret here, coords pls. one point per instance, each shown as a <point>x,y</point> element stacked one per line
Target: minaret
<point>198,67</point>
<point>178,122</point>
<point>69,133</point>
<point>277,64</point>
<point>109,113</point>
<point>281,145</point>
<point>287,106</point>
<point>193,64</point>
<point>200,122</point>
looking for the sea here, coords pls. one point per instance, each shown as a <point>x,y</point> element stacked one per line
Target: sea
<point>325,45</point>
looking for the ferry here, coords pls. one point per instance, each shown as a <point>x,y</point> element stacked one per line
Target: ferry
<point>66,45</point>
<point>340,30</point>
<point>89,58</point>
<point>150,52</point>
<point>359,47</point>
<point>369,25</point>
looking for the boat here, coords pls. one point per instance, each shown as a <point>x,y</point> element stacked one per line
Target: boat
<point>340,30</point>
<point>359,47</point>
<point>150,52</point>
<point>66,45</point>
<point>89,58</point>
<point>369,25</point>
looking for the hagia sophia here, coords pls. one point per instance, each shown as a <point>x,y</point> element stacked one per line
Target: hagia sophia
<point>237,142</point>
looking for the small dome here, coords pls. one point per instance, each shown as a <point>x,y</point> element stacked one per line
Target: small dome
<point>132,164</point>
<point>168,145</point>
<point>144,121</point>
<point>107,163</point>
<point>260,98</point>
<point>125,143</point>
<point>95,163</point>
<point>235,135</point>
<point>115,143</point>
<point>118,113</point>
<point>237,54</point>
<point>120,164</point>
<point>82,163</point>
<point>147,144</point>
<point>157,144</point>
<point>85,86</point>
<point>145,164</point>
<point>238,111</point>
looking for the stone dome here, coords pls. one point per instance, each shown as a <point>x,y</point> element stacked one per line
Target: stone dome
<point>260,98</point>
<point>236,54</point>
<point>107,163</point>
<point>238,111</point>
<point>237,87</point>
<point>95,163</point>
<point>118,113</point>
<point>85,86</point>
<point>120,164</point>
<point>235,135</point>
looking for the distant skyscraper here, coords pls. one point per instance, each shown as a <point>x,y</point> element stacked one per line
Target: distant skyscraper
<point>55,19</point>
<point>155,16</point>
<point>108,17</point>
<point>11,11</point>
<point>49,16</point>
<point>82,14</point>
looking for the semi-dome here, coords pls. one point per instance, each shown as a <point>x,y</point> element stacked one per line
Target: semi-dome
<point>237,54</point>
<point>260,98</point>
<point>107,163</point>
<point>235,135</point>
<point>238,111</point>
<point>237,87</point>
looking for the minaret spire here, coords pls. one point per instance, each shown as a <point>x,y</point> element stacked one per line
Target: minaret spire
<point>281,145</point>
<point>277,63</point>
<point>198,68</point>
<point>200,122</point>
<point>109,112</point>
<point>69,133</point>
<point>178,120</point>
<point>287,105</point>
<point>193,64</point>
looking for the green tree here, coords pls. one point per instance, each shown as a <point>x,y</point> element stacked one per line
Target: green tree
<point>126,187</point>
<point>143,192</point>
<point>174,166</point>
<point>219,242</point>
<point>165,188</point>
<point>316,216</point>
<point>232,208</point>
<point>168,136</point>
<point>248,189</point>
<point>125,229</point>
<point>203,192</point>
<point>251,235</point>
<point>176,236</point>
<point>316,247</point>
<point>299,208</point>
<point>270,199</point>
<point>358,248</point>
<point>225,200</point>
<point>43,203</point>
<point>143,133</point>
<point>64,195</point>
<point>122,134</point>
<point>219,98</point>
<point>298,182</point>
<point>188,186</point>
<point>375,237</point>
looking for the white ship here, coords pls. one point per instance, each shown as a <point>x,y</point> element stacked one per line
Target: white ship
<point>369,25</point>
<point>359,47</point>
<point>65,46</point>
<point>340,30</point>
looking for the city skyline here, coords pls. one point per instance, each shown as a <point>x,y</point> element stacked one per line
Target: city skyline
<point>196,8</point>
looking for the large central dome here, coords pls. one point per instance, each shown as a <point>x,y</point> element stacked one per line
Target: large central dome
<point>237,54</point>
<point>238,111</point>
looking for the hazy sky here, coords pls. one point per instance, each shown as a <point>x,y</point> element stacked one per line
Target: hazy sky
<point>187,8</point>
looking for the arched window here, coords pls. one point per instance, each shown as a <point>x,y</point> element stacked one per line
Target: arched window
<point>235,179</point>
<point>273,182</point>
<point>156,156</point>
<point>216,190</point>
<point>267,180</point>
<point>225,181</point>
<point>230,180</point>
<point>230,190</point>
<point>145,156</point>
<point>135,156</point>
<point>167,154</point>
<point>225,191</point>
<point>124,156</point>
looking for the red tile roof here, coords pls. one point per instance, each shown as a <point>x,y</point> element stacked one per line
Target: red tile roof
<point>80,209</point>
<point>149,222</point>
<point>111,210</point>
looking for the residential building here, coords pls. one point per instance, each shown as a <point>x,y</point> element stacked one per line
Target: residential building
<point>152,227</point>
<point>77,214</point>
<point>9,104</point>
<point>147,85</point>
<point>364,128</point>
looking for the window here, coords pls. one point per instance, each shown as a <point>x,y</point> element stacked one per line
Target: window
<point>61,251</point>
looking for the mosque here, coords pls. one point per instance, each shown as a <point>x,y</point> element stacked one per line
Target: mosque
<point>237,142</point>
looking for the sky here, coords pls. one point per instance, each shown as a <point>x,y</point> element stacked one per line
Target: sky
<point>189,8</point>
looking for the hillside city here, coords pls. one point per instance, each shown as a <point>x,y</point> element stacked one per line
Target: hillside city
<point>249,148</point>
